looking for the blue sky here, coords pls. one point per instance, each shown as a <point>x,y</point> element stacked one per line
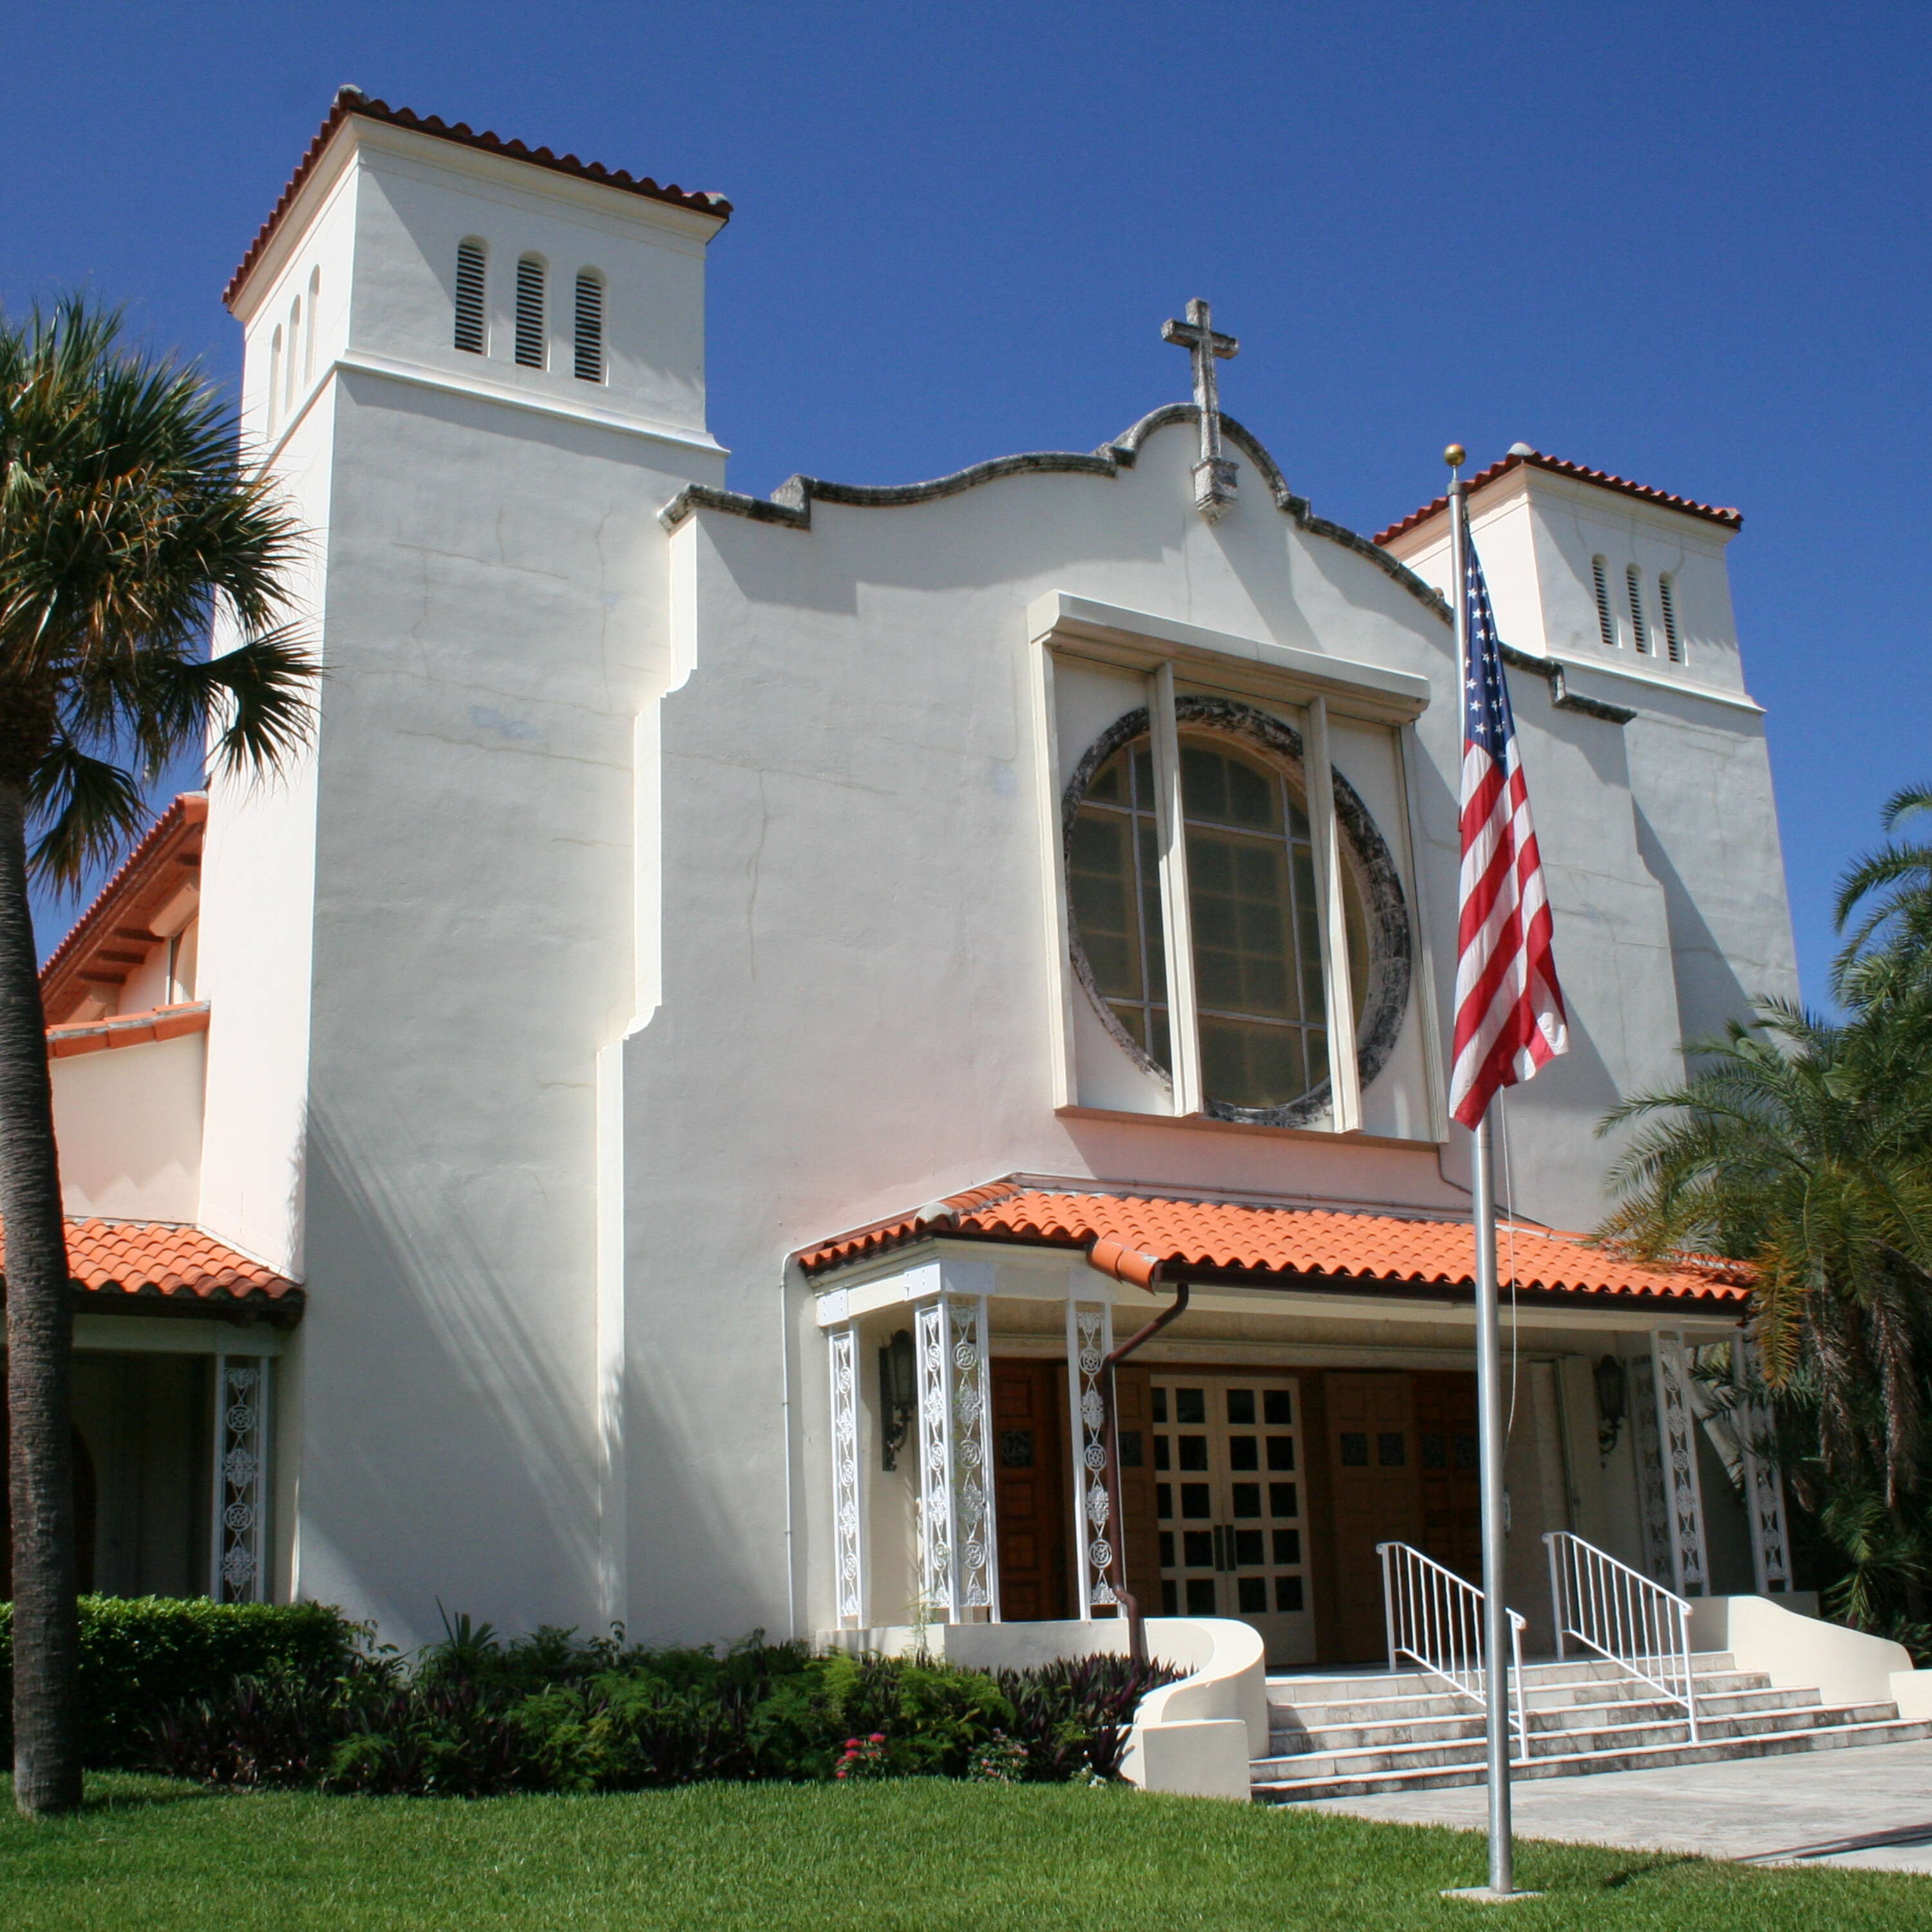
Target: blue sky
<point>1684,243</point>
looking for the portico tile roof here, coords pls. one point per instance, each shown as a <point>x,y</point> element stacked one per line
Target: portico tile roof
<point>119,1265</point>
<point>1226,1240</point>
<point>1732,520</point>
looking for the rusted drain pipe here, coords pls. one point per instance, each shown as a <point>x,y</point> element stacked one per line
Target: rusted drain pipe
<point>1142,1270</point>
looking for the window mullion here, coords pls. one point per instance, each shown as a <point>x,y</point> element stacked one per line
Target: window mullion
<point>1177,921</point>
<point>1344,1079</point>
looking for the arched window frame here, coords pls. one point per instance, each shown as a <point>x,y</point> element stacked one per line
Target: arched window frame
<point>532,322</point>
<point>292,368</point>
<point>589,321</point>
<point>1342,834</point>
<point>469,325</point>
<point>275,414</point>
<point>1607,620</point>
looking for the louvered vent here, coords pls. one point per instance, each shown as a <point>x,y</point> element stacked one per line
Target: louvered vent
<point>589,326</point>
<point>1667,596</point>
<point>1639,630</point>
<point>1606,625</point>
<point>530,312</point>
<point>470,311</point>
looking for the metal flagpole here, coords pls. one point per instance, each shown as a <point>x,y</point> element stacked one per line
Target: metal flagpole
<point>1488,1357</point>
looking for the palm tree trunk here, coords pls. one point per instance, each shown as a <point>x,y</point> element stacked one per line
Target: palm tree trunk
<point>39,1343</point>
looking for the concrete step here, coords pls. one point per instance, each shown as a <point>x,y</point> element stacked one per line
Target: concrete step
<point>1289,1781</point>
<point>1775,1707</point>
<point>1443,1702</point>
<point>1365,1686</point>
<point>1349,1753</point>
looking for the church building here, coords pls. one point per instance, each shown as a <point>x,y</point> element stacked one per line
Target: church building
<point>661,1116</point>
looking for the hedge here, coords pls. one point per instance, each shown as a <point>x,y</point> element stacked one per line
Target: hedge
<point>140,1655</point>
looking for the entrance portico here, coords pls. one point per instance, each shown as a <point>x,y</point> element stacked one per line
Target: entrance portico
<point>1316,1399</point>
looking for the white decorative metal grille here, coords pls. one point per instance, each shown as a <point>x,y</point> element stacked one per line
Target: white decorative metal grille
<point>975,1553</point>
<point>235,1543</point>
<point>958,1563</point>
<point>935,1462</point>
<point>1653,1495</point>
<point>847,1535</point>
<point>1677,1439</point>
<point>1089,1338</point>
<point>1764,1497</point>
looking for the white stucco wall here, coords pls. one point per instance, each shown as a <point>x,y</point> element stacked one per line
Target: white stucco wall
<point>128,1120</point>
<point>652,905</point>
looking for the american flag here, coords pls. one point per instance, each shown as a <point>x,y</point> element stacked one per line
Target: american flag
<point>1509,1008</point>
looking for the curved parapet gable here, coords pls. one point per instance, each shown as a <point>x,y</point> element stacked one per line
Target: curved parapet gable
<point>790,505</point>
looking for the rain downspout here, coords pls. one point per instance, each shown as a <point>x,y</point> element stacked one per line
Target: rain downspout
<point>1121,1263</point>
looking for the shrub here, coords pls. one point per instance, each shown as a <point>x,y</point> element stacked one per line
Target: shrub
<point>474,1716</point>
<point>140,1655</point>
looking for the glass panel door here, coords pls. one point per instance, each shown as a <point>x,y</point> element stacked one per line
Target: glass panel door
<point>1229,1492</point>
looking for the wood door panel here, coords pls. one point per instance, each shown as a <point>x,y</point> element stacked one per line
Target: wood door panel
<point>1031,1498</point>
<point>1374,1497</point>
<point>1448,1472</point>
<point>1134,1420</point>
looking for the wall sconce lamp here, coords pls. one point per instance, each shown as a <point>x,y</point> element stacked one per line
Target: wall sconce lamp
<point>899,1395</point>
<point>1613,1391</point>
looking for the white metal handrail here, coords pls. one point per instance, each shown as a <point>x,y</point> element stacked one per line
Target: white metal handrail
<point>1624,1617</point>
<point>1435,1618</point>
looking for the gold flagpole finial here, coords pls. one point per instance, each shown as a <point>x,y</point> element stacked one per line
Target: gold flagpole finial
<point>1455,456</point>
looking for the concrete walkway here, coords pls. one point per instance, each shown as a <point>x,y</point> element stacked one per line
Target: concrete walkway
<point>1869,1806</point>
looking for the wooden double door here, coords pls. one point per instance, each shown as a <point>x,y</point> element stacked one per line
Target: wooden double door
<point>1260,1495</point>
<point>1401,1468</point>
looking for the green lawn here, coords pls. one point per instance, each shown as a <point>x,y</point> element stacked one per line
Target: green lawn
<point>878,1858</point>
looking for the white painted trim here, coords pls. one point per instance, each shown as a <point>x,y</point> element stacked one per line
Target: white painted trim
<point>1062,1075</point>
<point>1344,1076</point>
<point>1434,1067</point>
<point>1631,674</point>
<point>173,1335</point>
<point>1142,640</point>
<point>1208,1122</point>
<point>1184,1024</point>
<point>362,362</point>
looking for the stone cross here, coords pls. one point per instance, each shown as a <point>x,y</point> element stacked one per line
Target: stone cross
<point>1213,475</point>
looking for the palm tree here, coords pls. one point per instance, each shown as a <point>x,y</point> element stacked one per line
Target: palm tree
<point>129,522</point>
<point>1801,1146</point>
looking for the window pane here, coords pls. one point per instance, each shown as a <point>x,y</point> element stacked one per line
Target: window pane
<point>1190,1405</point>
<point>1247,1498</point>
<point>1197,1500</point>
<point>1243,1452</point>
<point>1248,1548</point>
<point>1194,1452</point>
<point>1287,1593</point>
<point>1200,1596</point>
<point>1197,1549</point>
<point>1278,1407</point>
<point>1251,1595</point>
<point>1110,781</point>
<point>1252,1066</point>
<point>1282,1500</point>
<point>1241,1407</point>
<point>1099,884</point>
<point>1281,1452</point>
<point>1287,1546</point>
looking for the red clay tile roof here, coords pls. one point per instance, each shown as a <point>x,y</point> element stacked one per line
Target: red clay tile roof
<point>126,1030</point>
<point>352,101</point>
<point>1732,520</point>
<point>168,856</point>
<point>1227,1242</point>
<point>124,1265</point>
